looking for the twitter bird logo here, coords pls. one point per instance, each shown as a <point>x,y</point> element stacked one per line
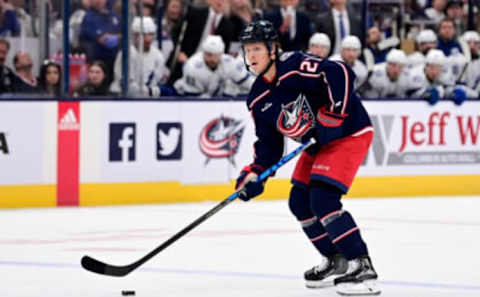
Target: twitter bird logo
<point>169,141</point>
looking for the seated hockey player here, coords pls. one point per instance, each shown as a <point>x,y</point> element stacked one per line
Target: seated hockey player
<point>432,82</point>
<point>300,96</point>
<point>319,45</point>
<point>205,73</point>
<point>349,53</point>
<point>147,70</point>
<point>470,76</point>
<point>389,79</point>
<point>426,40</point>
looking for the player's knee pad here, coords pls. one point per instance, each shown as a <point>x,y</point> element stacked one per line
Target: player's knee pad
<point>324,199</point>
<point>299,203</point>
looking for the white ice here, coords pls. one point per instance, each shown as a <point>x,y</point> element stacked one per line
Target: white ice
<point>421,247</point>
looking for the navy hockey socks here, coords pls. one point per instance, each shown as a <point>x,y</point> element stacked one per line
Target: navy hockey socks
<point>338,223</point>
<point>299,203</point>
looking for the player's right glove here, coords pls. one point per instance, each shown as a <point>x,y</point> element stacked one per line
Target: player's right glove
<point>247,185</point>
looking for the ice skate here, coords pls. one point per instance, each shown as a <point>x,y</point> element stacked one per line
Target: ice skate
<point>322,276</point>
<point>360,279</point>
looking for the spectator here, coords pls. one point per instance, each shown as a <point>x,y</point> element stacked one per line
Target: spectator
<point>339,22</point>
<point>50,78</point>
<point>100,34</point>
<point>202,22</point>
<point>149,8</point>
<point>426,40</point>
<point>436,12</point>
<point>76,20</point>
<point>454,11</point>
<point>313,8</point>
<point>171,19</point>
<point>147,68</point>
<point>4,48</point>
<point>241,13</point>
<point>206,72</point>
<point>447,41</point>
<point>97,82</point>
<point>23,64</point>
<point>349,53</point>
<point>23,17</point>
<point>293,26</point>
<point>389,79</point>
<point>9,24</point>
<point>319,45</point>
<point>378,48</point>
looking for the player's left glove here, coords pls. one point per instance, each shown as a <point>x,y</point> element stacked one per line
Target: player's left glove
<point>247,185</point>
<point>459,95</point>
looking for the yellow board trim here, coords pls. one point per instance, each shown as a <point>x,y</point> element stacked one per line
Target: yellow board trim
<point>28,196</point>
<point>173,192</point>
<point>93,194</point>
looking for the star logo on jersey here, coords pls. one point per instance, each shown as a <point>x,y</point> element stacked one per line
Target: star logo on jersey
<point>296,118</point>
<point>220,138</point>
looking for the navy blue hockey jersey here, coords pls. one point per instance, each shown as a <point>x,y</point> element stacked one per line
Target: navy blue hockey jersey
<point>310,97</point>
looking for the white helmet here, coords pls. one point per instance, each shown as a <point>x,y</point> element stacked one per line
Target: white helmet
<point>351,42</point>
<point>426,35</point>
<point>471,36</point>
<point>435,56</point>
<point>149,26</point>
<point>396,56</point>
<point>213,44</point>
<point>320,39</point>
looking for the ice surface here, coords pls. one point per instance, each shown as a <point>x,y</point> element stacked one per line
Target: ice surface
<point>421,247</point>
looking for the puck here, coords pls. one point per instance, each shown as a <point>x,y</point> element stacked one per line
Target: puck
<point>128,293</point>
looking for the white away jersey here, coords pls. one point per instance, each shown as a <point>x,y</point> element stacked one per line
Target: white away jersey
<point>199,80</point>
<point>381,86</point>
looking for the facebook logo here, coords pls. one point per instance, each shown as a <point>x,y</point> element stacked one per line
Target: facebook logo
<point>122,142</point>
<point>169,141</point>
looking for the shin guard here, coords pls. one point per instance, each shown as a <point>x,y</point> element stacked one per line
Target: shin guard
<point>299,204</point>
<point>339,224</point>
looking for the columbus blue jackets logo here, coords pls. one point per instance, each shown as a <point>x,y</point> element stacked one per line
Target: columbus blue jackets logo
<point>220,138</point>
<point>296,118</point>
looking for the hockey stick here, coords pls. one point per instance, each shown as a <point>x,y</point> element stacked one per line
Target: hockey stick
<point>370,63</point>
<point>97,266</point>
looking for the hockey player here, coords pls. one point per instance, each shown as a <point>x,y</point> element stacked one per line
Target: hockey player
<point>389,79</point>
<point>319,45</point>
<point>349,53</point>
<point>431,82</point>
<point>426,40</point>
<point>300,96</point>
<point>471,75</point>
<point>147,70</point>
<point>206,72</point>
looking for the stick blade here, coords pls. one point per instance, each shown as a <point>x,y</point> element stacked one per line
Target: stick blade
<point>99,267</point>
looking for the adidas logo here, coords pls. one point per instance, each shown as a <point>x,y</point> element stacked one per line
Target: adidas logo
<point>69,121</point>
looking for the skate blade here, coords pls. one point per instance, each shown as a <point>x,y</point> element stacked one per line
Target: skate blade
<point>319,284</point>
<point>366,288</point>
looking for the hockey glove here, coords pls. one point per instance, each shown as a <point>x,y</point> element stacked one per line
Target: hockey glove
<point>432,95</point>
<point>247,185</point>
<point>459,95</point>
<point>329,126</point>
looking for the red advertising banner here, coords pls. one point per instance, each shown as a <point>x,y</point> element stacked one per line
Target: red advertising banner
<point>68,153</point>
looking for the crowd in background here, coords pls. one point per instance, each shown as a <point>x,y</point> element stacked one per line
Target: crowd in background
<point>191,48</point>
